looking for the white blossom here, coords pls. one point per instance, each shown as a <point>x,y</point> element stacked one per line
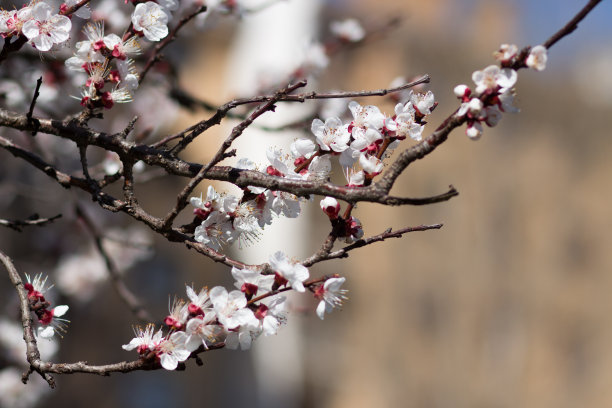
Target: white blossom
<point>294,273</point>
<point>151,19</point>
<point>537,58</point>
<point>331,296</point>
<point>45,28</point>
<point>173,350</point>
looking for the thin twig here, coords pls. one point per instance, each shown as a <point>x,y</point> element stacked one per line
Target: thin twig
<point>33,220</point>
<point>343,253</point>
<point>181,202</point>
<point>33,103</point>
<point>572,24</point>
<point>32,353</point>
<point>125,294</point>
<point>195,130</point>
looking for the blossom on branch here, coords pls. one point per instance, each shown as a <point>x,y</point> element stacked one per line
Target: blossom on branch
<point>537,58</point>
<point>150,19</point>
<point>46,29</point>
<point>331,296</point>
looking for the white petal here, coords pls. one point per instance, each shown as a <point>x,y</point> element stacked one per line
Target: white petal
<point>321,309</point>
<point>168,361</point>
<point>60,310</point>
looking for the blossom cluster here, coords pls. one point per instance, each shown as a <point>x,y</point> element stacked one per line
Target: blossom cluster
<point>49,319</point>
<point>38,23</point>
<point>94,57</point>
<point>360,145</point>
<point>233,319</point>
<point>494,91</point>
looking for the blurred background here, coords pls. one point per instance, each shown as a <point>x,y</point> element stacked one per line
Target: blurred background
<point>507,305</point>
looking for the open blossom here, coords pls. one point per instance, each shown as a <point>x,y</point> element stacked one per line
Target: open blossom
<point>215,231</point>
<point>250,282</point>
<point>179,313</point>
<point>537,58</point>
<point>370,164</point>
<point>231,308</point>
<point>122,49</point>
<point>203,330</point>
<point>405,124</point>
<point>331,135</point>
<point>331,296</point>
<point>423,103</point>
<point>173,350</point>
<point>293,273</point>
<point>146,340</point>
<point>199,302</point>
<point>492,79</point>
<point>282,203</point>
<point>365,117</point>
<point>11,22</point>
<point>151,19</point>
<point>272,316</point>
<point>506,52</point>
<point>52,322</point>
<point>45,28</point>
<point>353,177</point>
<point>243,336</point>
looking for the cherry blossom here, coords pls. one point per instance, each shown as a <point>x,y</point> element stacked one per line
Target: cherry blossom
<point>151,19</point>
<point>331,296</point>
<point>537,58</point>
<point>272,316</point>
<point>423,103</point>
<point>492,79</point>
<point>45,28</point>
<point>215,231</point>
<point>200,302</point>
<point>231,308</point>
<point>146,340</point>
<point>251,282</point>
<point>202,330</point>
<point>332,135</point>
<point>52,321</point>
<point>173,350</point>
<point>506,52</point>
<point>365,117</point>
<point>293,273</point>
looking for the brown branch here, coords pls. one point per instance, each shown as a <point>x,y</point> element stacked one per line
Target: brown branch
<point>377,192</point>
<point>44,368</point>
<point>307,284</point>
<point>572,24</point>
<point>110,203</point>
<point>21,40</point>
<point>33,220</point>
<point>73,9</point>
<point>33,103</point>
<point>32,353</point>
<point>125,294</point>
<point>189,134</point>
<point>343,253</point>
<point>181,202</point>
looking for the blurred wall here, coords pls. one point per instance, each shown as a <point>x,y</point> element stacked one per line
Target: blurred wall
<point>507,305</point>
